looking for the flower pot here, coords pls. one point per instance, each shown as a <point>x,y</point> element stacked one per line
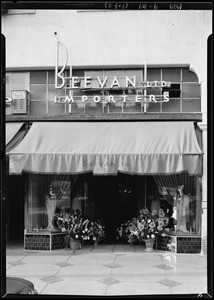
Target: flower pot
<point>149,245</point>
<point>75,244</point>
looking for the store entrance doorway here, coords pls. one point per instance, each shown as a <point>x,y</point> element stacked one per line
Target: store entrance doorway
<point>115,202</point>
<point>15,195</point>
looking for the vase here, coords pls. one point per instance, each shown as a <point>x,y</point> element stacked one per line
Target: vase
<point>95,243</point>
<point>75,244</point>
<point>51,206</point>
<point>149,245</point>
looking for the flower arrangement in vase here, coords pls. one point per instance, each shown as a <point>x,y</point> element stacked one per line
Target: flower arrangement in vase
<point>97,231</point>
<point>147,226</point>
<point>78,230</point>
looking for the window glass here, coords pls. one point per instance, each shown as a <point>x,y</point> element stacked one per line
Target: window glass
<point>77,92</point>
<point>190,90</point>
<point>189,76</point>
<point>115,108</point>
<point>154,107</point>
<point>8,78</point>
<point>174,105</point>
<point>154,91</point>
<point>51,77</point>
<point>38,92</point>
<point>52,92</point>
<point>38,77</point>
<point>137,73</point>
<point>16,81</point>
<point>56,108</point>
<point>37,108</point>
<point>20,78</point>
<point>93,108</point>
<point>153,74</point>
<point>78,73</point>
<point>131,105</point>
<point>191,105</point>
<point>171,74</point>
<point>174,90</point>
<point>51,195</point>
<point>181,195</point>
<point>93,74</point>
<point>7,91</point>
<point>77,107</point>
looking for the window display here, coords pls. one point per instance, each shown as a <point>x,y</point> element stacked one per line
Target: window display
<point>50,194</point>
<point>182,193</point>
<point>179,196</point>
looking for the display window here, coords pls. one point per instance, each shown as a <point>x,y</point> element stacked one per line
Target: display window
<point>181,194</point>
<point>53,194</point>
<point>114,200</point>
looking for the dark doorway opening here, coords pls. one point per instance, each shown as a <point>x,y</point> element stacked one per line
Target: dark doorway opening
<point>15,196</point>
<point>115,202</point>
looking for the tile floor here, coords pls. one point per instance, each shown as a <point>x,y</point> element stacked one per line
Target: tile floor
<point>109,270</point>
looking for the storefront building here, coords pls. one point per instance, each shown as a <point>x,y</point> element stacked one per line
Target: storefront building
<point>104,136</point>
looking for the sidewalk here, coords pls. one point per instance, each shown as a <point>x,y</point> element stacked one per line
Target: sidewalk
<point>109,270</point>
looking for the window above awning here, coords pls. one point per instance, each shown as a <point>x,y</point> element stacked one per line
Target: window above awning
<point>13,135</point>
<point>106,148</point>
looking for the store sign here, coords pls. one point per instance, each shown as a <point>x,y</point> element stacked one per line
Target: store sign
<point>107,85</point>
<point>104,166</point>
<point>107,82</point>
<point>18,103</point>
<point>19,94</point>
<point>110,84</point>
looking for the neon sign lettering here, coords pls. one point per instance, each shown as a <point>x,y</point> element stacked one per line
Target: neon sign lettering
<point>106,83</point>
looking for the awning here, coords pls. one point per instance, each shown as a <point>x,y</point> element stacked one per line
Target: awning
<point>13,135</point>
<point>11,130</point>
<point>106,148</point>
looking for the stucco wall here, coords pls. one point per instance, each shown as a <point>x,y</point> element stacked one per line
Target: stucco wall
<point>110,38</point>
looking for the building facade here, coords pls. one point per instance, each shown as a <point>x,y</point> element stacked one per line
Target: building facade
<point>93,93</point>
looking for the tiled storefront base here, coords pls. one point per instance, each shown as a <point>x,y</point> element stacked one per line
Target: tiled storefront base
<point>52,241</point>
<point>44,240</point>
<point>179,244</point>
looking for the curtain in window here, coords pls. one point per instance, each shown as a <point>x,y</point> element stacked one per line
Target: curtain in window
<point>47,194</point>
<point>58,195</point>
<point>168,185</point>
<point>186,203</point>
<point>62,186</point>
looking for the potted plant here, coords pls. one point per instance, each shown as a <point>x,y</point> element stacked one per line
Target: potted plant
<point>72,225</point>
<point>97,231</point>
<point>77,231</point>
<point>146,227</point>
